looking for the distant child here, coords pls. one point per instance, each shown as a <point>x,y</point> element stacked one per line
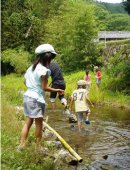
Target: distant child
<point>87,78</point>
<point>80,98</point>
<point>98,76</point>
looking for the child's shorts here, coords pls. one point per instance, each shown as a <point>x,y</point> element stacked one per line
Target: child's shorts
<point>33,108</point>
<point>98,82</point>
<point>80,115</point>
<point>54,94</point>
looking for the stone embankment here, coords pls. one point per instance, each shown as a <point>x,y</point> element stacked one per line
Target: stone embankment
<point>113,49</point>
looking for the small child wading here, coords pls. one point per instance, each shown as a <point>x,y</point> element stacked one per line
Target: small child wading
<point>87,78</point>
<point>80,98</point>
<point>98,76</point>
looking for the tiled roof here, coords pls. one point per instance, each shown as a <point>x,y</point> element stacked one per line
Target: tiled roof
<point>113,34</point>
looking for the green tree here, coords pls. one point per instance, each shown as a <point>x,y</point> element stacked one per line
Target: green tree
<point>119,70</point>
<point>24,25</point>
<point>101,15</point>
<point>18,59</point>
<point>14,23</point>
<point>71,31</point>
<point>111,17</point>
<point>127,5</point>
<point>85,32</point>
<point>68,25</point>
<point>118,22</point>
<point>114,7</point>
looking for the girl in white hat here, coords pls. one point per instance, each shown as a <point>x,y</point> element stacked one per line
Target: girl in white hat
<point>36,81</point>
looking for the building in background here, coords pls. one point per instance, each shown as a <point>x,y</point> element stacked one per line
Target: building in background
<point>113,35</point>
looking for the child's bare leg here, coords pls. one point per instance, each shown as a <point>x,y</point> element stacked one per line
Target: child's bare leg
<point>79,125</point>
<point>25,131</point>
<point>38,132</point>
<point>80,120</point>
<point>87,115</point>
<point>53,104</point>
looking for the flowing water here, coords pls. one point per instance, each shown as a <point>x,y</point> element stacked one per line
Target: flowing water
<point>105,143</point>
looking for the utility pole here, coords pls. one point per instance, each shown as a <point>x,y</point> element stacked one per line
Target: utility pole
<point>105,39</point>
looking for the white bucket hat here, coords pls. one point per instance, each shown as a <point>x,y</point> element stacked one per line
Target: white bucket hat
<point>96,67</point>
<point>81,83</point>
<point>43,48</point>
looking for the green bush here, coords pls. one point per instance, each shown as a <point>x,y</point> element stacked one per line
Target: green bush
<point>12,88</point>
<point>119,72</point>
<point>19,59</point>
<point>10,138</point>
<point>72,33</point>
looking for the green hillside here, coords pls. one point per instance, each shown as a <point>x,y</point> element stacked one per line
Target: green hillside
<point>111,17</point>
<point>114,8</point>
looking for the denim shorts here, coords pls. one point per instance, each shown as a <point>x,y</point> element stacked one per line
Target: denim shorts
<point>33,108</point>
<point>98,81</point>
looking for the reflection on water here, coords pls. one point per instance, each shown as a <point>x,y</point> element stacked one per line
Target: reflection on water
<point>108,133</point>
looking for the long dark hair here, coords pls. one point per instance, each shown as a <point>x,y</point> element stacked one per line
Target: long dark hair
<point>44,59</point>
<point>87,72</point>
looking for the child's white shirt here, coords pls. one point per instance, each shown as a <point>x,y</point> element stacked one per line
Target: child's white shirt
<point>33,82</point>
<point>80,99</point>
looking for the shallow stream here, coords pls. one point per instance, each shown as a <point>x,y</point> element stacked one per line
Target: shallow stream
<point>104,144</point>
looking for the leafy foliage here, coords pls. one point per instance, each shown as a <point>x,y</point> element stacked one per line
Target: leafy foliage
<point>118,22</point>
<point>68,25</point>
<point>11,159</point>
<point>119,71</point>
<point>27,21</point>
<point>18,59</point>
<point>74,36</point>
<point>101,15</point>
<point>111,21</point>
<point>12,22</point>
<point>127,5</point>
<point>114,8</point>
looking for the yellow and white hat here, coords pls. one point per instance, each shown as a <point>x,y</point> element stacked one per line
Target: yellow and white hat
<point>81,83</point>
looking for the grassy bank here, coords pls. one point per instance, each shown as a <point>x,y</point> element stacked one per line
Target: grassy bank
<point>12,123</point>
<point>13,88</point>
<point>98,95</point>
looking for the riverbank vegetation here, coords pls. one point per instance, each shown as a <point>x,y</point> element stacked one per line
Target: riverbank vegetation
<point>13,89</point>
<point>12,123</point>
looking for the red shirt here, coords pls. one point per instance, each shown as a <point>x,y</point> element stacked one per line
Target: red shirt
<point>98,75</point>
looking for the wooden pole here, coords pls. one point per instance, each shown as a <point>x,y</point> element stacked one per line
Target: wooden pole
<point>28,31</point>
<point>66,145</point>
